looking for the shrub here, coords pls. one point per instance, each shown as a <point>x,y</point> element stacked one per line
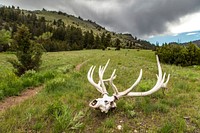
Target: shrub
<point>179,54</point>
<point>63,117</point>
<point>28,52</point>
<point>5,39</point>
<point>55,84</point>
<point>10,85</point>
<point>29,79</point>
<point>32,78</point>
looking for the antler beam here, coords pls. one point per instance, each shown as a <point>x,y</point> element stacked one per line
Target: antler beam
<point>107,102</point>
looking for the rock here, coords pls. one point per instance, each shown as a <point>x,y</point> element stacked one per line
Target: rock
<point>186,117</point>
<point>119,127</point>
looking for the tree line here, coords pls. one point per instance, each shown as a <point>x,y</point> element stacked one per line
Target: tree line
<point>53,36</point>
<point>183,55</point>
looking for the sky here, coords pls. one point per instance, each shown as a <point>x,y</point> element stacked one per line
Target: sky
<point>154,20</point>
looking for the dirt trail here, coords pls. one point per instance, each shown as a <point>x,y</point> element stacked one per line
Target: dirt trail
<point>15,100</point>
<point>78,67</point>
<point>28,93</point>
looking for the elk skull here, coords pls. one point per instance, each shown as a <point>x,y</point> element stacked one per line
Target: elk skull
<point>108,102</point>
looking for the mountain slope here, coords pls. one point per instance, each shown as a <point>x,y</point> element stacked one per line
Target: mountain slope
<point>196,42</point>
<point>85,25</point>
<point>88,25</point>
<point>63,25</point>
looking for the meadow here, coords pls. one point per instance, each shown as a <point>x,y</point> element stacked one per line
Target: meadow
<point>62,104</point>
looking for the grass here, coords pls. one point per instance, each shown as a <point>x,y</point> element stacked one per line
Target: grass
<point>62,106</point>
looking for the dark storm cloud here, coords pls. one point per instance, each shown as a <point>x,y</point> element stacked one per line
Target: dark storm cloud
<point>152,17</point>
<point>139,17</point>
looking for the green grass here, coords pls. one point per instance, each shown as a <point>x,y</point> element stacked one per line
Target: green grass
<point>62,106</point>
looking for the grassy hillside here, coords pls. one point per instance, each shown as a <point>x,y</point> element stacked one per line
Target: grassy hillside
<point>88,25</point>
<point>62,105</point>
<point>71,20</point>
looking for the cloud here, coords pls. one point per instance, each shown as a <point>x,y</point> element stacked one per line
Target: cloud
<point>191,33</point>
<point>139,17</point>
<point>187,23</point>
<point>176,34</point>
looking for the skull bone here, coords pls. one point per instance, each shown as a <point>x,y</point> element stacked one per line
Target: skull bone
<point>104,104</point>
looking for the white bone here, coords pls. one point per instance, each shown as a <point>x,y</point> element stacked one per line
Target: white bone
<point>107,102</point>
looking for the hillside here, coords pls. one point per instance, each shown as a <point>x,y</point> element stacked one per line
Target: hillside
<point>85,25</point>
<point>59,24</point>
<point>88,25</point>
<point>196,42</point>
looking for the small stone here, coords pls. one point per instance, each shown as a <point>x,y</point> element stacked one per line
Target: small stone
<point>135,131</point>
<point>119,127</point>
<point>186,117</point>
<point>121,121</point>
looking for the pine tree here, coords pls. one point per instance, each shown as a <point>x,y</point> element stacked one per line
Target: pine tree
<point>86,39</point>
<point>117,44</point>
<point>97,42</point>
<point>28,53</point>
<point>107,40</point>
<point>103,40</point>
<point>91,39</point>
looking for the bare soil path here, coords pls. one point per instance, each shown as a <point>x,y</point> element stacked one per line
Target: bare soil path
<point>78,67</point>
<point>15,100</point>
<point>26,94</point>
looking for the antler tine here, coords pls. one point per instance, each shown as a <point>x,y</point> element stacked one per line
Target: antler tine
<point>159,76</point>
<point>100,86</point>
<point>101,80</point>
<point>129,89</point>
<point>160,81</point>
<point>113,76</point>
<point>90,79</point>
<point>164,85</point>
<point>101,73</point>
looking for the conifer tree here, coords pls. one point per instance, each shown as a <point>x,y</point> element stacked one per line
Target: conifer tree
<point>107,40</point>
<point>5,40</point>
<point>28,53</point>
<point>117,44</point>
<point>97,42</point>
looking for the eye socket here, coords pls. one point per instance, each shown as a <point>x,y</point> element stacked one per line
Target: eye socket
<point>94,102</point>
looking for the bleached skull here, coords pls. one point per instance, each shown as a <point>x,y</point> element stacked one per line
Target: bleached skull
<point>104,104</point>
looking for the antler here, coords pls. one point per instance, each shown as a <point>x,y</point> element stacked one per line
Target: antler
<point>100,86</point>
<point>119,94</point>
<point>159,84</point>
<point>107,102</point>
